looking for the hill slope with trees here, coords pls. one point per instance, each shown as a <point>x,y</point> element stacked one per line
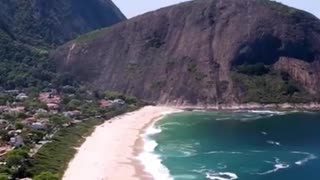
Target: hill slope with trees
<point>30,28</point>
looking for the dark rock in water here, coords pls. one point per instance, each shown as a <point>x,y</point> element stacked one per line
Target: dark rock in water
<point>204,52</point>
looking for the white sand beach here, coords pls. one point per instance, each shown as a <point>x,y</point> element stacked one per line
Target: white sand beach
<point>110,152</point>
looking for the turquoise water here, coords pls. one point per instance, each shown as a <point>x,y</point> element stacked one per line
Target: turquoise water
<point>237,145</point>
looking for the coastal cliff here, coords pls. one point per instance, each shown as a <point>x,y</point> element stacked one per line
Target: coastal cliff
<point>203,52</point>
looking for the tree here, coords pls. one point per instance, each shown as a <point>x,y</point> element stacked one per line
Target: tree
<point>4,177</point>
<point>113,95</point>
<point>258,69</point>
<point>46,176</point>
<point>4,99</point>
<point>4,135</point>
<point>34,104</point>
<point>74,104</point>
<point>19,125</point>
<point>16,157</point>
<point>59,120</point>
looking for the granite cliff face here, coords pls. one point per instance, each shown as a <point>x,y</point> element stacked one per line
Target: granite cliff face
<point>204,52</point>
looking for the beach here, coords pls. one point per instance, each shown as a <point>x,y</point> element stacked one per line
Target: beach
<point>111,151</point>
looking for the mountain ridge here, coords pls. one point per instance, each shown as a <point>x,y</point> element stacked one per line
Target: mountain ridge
<point>29,29</point>
<point>202,52</point>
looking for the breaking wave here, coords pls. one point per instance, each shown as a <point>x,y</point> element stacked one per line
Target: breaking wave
<point>150,159</point>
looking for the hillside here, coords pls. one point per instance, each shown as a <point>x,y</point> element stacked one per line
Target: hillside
<point>30,28</point>
<point>204,52</point>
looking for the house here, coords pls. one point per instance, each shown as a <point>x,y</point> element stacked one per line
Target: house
<point>76,121</point>
<point>19,131</point>
<point>53,106</point>
<point>41,111</point>
<point>21,97</point>
<point>52,112</point>
<point>16,141</point>
<point>12,92</point>
<point>44,121</point>
<point>38,126</point>
<point>118,101</point>
<point>49,98</point>
<point>29,121</point>
<point>72,114</point>
<point>10,127</point>
<point>4,150</point>
<point>105,103</point>
<point>18,109</point>
<point>3,123</point>
<point>3,109</point>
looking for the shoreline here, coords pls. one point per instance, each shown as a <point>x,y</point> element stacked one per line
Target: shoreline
<point>111,151</point>
<point>248,106</point>
<point>139,148</point>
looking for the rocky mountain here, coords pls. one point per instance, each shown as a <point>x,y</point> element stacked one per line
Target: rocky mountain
<point>204,52</point>
<point>30,28</point>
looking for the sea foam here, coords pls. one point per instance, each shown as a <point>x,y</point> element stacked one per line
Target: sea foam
<point>267,112</point>
<point>274,143</point>
<point>305,160</point>
<point>150,160</point>
<point>277,166</point>
<point>222,176</point>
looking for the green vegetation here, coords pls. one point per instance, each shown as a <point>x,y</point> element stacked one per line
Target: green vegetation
<point>5,98</point>
<point>128,99</point>
<point>47,148</point>
<point>268,86</point>
<point>54,156</point>
<point>258,69</point>
<point>46,176</point>
<point>91,36</point>
<point>17,164</point>
<point>193,70</point>
<point>16,157</point>
<point>34,104</point>
<point>155,40</point>
<point>4,177</point>
<point>27,34</point>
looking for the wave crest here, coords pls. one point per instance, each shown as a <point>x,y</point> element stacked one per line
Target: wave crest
<point>150,160</point>
<point>222,176</point>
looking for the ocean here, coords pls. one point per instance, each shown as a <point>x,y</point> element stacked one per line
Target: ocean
<point>252,145</point>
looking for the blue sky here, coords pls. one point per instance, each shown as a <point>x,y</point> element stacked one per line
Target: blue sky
<point>132,8</point>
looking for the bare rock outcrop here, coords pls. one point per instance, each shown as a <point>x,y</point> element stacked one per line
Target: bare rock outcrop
<point>189,53</point>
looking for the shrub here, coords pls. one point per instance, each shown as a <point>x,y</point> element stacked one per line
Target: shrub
<point>16,157</point>
<point>258,69</point>
<point>46,176</point>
